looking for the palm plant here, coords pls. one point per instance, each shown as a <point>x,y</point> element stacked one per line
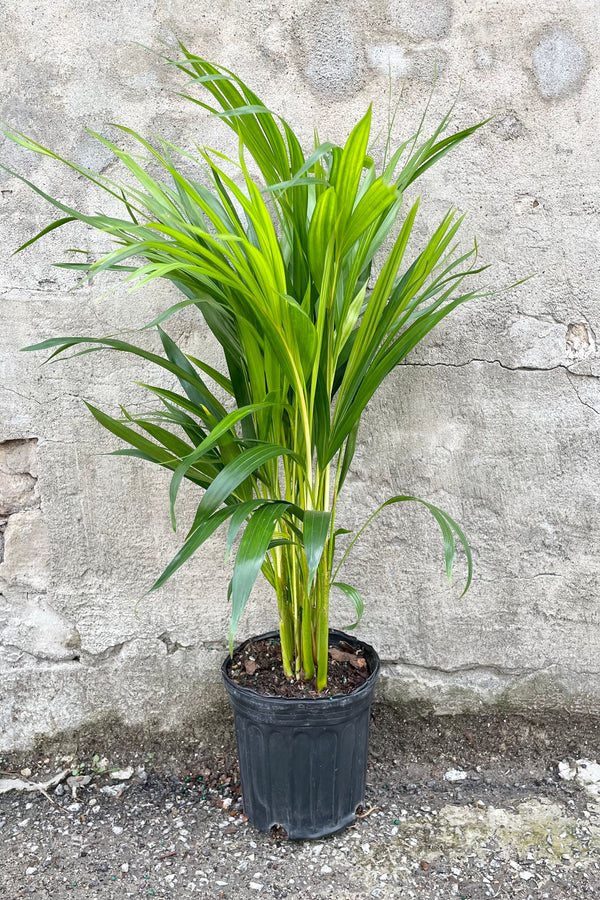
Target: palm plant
<point>279,264</point>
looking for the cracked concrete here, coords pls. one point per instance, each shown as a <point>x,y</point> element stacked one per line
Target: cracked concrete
<point>497,362</point>
<point>172,646</point>
<point>493,417</point>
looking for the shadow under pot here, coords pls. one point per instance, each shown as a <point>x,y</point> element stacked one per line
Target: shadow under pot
<point>303,762</point>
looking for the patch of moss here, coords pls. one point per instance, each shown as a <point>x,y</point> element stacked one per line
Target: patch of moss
<point>537,827</point>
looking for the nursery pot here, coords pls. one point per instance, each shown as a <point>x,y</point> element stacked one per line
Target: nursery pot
<point>303,762</point>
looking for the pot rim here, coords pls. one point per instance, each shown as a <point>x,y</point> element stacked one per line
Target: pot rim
<point>330,702</point>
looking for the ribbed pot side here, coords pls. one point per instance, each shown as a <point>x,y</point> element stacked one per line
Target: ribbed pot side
<point>303,763</point>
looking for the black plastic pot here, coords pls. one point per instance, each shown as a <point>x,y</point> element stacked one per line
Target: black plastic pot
<point>303,762</point>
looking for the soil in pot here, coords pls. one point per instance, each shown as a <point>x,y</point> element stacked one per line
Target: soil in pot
<point>258,665</point>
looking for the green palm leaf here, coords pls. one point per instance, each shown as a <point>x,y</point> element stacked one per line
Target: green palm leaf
<point>250,557</point>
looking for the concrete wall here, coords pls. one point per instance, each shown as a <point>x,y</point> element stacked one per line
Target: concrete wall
<point>496,417</point>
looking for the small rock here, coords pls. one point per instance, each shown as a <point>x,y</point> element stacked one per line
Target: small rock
<point>114,790</point>
<point>75,781</point>
<point>122,774</point>
<point>255,886</point>
<point>454,775</point>
<point>78,779</point>
<point>31,870</point>
<point>26,773</point>
<point>326,870</point>
<point>117,829</point>
<point>125,867</point>
<point>525,875</point>
<point>567,771</point>
<point>585,772</point>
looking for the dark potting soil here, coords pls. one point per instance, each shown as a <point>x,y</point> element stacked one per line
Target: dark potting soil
<point>259,666</point>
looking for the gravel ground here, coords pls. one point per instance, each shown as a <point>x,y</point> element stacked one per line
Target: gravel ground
<point>508,826</point>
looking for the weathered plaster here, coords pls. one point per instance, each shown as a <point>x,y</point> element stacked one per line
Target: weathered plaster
<point>495,417</point>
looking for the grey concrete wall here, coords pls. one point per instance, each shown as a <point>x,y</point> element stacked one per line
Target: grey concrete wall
<point>496,417</point>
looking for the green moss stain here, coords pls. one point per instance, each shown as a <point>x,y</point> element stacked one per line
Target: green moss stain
<point>538,827</point>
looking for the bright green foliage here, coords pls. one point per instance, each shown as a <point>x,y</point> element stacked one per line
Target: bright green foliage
<point>280,267</point>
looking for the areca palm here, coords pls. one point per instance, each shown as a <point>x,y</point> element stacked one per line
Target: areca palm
<point>276,253</point>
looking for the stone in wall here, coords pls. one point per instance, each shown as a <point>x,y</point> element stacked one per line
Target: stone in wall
<point>2,530</point>
<point>421,19</point>
<point>18,476</point>
<point>34,631</point>
<point>509,126</point>
<point>334,51</point>
<point>581,341</point>
<point>30,628</point>
<point>388,59</point>
<point>395,62</point>
<point>26,558</point>
<point>560,62</point>
<point>23,537</point>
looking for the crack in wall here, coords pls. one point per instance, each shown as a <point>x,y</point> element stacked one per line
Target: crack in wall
<point>579,397</point>
<point>507,674</point>
<point>101,656</point>
<point>93,659</point>
<point>75,655</point>
<point>497,362</point>
<point>72,656</point>
<point>470,668</point>
<point>21,396</point>
<point>172,646</point>
<point>19,290</point>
